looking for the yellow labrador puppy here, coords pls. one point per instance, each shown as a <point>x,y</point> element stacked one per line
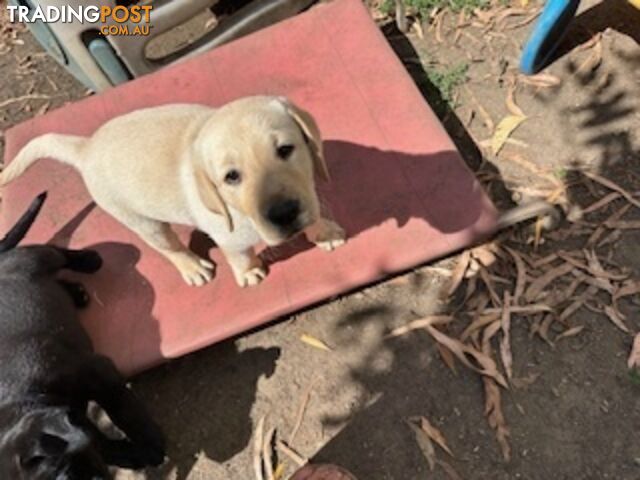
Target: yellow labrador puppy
<point>242,173</point>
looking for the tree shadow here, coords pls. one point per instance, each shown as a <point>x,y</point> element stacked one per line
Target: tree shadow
<point>608,111</point>
<point>619,15</point>
<point>203,402</point>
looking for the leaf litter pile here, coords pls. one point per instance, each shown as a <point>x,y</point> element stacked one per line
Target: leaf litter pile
<point>507,283</point>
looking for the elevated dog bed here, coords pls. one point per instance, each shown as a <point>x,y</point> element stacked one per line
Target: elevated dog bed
<point>399,187</point>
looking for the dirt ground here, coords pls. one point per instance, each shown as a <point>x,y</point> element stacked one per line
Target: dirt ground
<point>574,413</point>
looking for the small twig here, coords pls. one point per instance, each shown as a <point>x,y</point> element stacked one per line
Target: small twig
<point>612,186</point>
<point>267,453</point>
<point>301,410</point>
<point>257,449</point>
<point>292,454</point>
<point>31,96</point>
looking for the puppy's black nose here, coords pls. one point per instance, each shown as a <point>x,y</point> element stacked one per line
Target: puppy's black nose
<point>284,213</point>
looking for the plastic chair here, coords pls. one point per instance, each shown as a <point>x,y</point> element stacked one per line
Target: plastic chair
<point>100,62</point>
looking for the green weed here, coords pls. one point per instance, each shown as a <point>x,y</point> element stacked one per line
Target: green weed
<point>446,81</point>
<point>424,7</point>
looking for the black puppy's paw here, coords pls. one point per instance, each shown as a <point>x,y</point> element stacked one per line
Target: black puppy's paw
<point>155,446</point>
<point>125,454</point>
<point>85,261</point>
<point>77,292</point>
<point>151,457</point>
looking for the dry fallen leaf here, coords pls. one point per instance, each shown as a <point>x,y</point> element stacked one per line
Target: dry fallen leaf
<point>488,281</point>
<point>612,186</point>
<point>291,453</point>
<point>420,324</point>
<point>495,417</point>
<point>529,309</point>
<point>521,274</point>
<point>314,342</point>
<point>484,255</point>
<point>458,273</point>
<point>577,303</point>
<point>433,433</point>
<point>509,12</point>
<point>449,470</point>
<point>541,80</point>
<point>597,270</point>
<point>616,317</point>
<point>279,472</point>
<point>570,332</point>
<point>513,108</point>
<point>425,444</point>
<point>539,284</point>
<point>478,323</point>
<point>602,202</point>
<point>543,330</point>
<point>447,358</point>
<point>306,396</point>
<point>258,442</point>
<point>505,341</point>
<point>267,453</point>
<point>525,21</point>
<point>624,225</point>
<point>629,287</point>
<point>595,236</point>
<point>493,403</point>
<point>594,59</point>
<point>504,129</point>
<point>634,356</point>
<point>486,364</point>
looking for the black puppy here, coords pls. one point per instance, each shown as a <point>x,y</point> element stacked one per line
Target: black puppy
<point>49,373</point>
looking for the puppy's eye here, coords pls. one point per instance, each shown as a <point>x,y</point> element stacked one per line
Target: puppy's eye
<point>285,151</point>
<point>232,177</point>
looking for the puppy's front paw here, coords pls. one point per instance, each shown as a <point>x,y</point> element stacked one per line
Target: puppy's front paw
<point>327,235</point>
<point>251,277</point>
<point>195,271</point>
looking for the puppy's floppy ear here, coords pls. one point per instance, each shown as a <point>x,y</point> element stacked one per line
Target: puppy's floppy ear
<point>311,132</point>
<point>55,436</point>
<point>210,196</point>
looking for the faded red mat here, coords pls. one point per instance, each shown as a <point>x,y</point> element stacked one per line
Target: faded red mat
<point>399,186</point>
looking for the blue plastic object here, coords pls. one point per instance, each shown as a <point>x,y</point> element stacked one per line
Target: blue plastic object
<point>547,34</point>
<point>108,61</point>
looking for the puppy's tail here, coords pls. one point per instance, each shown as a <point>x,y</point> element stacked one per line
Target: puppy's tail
<point>22,226</point>
<point>64,148</point>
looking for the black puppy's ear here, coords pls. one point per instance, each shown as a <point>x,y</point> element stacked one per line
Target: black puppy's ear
<point>57,429</point>
<point>46,446</point>
<point>57,437</point>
